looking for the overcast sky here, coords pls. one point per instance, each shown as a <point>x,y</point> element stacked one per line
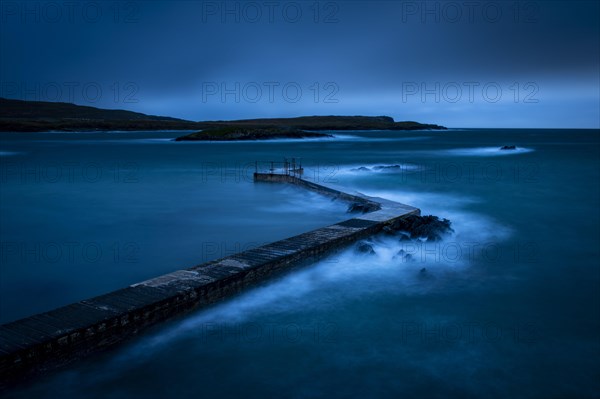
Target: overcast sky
<point>455,63</point>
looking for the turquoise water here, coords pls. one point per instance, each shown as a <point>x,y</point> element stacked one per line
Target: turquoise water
<point>508,305</point>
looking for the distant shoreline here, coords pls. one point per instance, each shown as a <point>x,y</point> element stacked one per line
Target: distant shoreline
<point>38,116</point>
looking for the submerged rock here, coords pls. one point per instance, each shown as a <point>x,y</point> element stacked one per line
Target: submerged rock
<point>385,167</point>
<point>365,248</point>
<point>361,169</point>
<point>404,256</point>
<point>508,147</point>
<point>389,231</point>
<point>424,274</point>
<point>403,236</point>
<point>430,228</point>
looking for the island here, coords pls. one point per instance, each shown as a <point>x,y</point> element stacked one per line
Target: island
<point>40,116</point>
<point>231,133</point>
<point>329,122</point>
<point>300,127</point>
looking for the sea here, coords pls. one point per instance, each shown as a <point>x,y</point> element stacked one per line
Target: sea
<point>505,306</point>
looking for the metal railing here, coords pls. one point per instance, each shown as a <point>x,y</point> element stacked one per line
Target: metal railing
<point>289,167</point>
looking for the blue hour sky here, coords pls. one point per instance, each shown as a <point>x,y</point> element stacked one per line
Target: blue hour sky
<point>455,63</point>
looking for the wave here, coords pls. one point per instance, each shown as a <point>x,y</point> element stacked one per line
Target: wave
<point>411,268</point>
<point>344,137</point>
<point>156,140</point>
<point>9,153</point>
<point>468,225</point>
<point>484,151</point>
<point>296,200</point>
<point>381,168</point>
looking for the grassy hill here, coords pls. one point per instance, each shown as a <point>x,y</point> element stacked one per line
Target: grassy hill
<point>56,110</point>
<point>38,116</point>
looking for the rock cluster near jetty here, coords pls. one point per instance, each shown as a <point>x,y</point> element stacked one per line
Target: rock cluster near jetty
<point>430,228</point>
<point>365,248</point>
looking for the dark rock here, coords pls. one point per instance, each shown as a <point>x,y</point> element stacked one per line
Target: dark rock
<point>404,256</point>
<point>386,167</point>
<point>430,228</point>
<point>387,230</point>
<point>508,147</point>
<point>425,275</point>
<point>365,248</point>
<point>361,169</point>
<point>403,235</point>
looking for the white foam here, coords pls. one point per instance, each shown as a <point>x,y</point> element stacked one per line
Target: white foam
<point>379,168</point>
<point>484,151</point>
<point>156,140</point>
<point>432,265</point>
<point>343,137</point>
<point>447,206</point>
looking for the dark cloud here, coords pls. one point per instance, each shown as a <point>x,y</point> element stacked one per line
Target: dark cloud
<point>220,60</point>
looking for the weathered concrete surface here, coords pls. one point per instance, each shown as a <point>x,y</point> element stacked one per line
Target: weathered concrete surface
<point>48,340</point>
<point>329,190</point>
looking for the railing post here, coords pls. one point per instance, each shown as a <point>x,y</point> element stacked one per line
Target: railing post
<point>291,167</point>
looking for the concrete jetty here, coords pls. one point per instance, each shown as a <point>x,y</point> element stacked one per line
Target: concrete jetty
<point>52,339</point>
